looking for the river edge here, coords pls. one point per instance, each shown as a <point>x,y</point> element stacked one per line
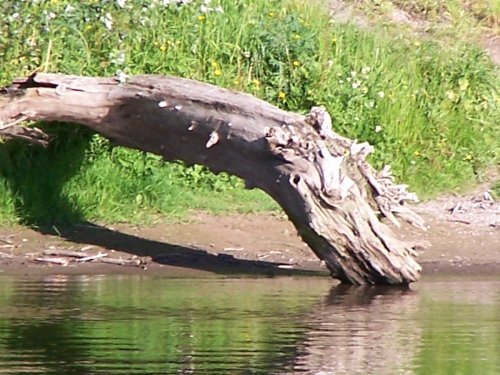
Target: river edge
<point>463,238</point>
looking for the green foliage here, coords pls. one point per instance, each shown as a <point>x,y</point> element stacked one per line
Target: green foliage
<point>432,113</point>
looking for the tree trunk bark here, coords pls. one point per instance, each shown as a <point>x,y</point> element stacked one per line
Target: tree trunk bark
<point>332,195</point>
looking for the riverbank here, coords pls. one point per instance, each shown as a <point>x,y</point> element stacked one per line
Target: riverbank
<point>463,238</point>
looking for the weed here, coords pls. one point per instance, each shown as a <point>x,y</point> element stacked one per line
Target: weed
<point>432,113</point>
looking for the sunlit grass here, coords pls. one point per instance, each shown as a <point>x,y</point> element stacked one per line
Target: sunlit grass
<point>432,113</point>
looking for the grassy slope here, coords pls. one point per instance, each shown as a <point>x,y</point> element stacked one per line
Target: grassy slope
<point>431,112</point>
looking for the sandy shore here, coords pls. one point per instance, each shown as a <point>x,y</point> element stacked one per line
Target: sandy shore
<point>463,238</point>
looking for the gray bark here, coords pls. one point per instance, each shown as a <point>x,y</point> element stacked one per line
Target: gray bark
<point>332,195</point>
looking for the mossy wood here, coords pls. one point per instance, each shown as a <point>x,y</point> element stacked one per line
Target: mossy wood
<point>332,195</point>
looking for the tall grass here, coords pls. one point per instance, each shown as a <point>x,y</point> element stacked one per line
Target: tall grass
<point>432,113</point>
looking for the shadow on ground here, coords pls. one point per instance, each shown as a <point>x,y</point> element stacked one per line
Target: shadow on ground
<point>169,254</point>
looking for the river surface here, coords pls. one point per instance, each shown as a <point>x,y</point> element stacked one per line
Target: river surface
<point>143,325</point>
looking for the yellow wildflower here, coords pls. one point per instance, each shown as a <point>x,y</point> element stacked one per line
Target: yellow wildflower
<point>296,63</point>
<point>281,95</point>
<point>201,18</point>
<point>217,72</point>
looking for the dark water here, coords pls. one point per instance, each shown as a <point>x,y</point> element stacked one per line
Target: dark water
<point>141,325</point>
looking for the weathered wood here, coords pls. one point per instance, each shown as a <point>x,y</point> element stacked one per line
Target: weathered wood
<point>93,257</point>
<point>124,262</point>
<point>65,253</point>
<point>332,195</point>
<point>59,261</point>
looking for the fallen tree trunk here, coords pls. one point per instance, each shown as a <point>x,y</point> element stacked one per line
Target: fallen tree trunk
<point>332,195</point>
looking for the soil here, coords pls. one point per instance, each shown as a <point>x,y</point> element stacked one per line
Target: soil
<point>463,238</point>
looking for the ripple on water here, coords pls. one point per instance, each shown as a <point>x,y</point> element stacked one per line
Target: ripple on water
<point>140,325</point>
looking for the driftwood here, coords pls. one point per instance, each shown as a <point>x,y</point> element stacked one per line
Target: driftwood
<point>79,255</point>
<point>92,257</point>
<point>332,195</point>
<point>65,253</point>
<point>53,260</point>
<point>125,262</point>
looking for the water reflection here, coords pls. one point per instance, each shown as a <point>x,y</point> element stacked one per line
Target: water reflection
<point>149,326</point>
<point>140,325</point>
<point>361,330</point>
<point>42,330</point>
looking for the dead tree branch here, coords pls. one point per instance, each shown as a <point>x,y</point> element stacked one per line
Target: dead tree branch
<point>323,182</point>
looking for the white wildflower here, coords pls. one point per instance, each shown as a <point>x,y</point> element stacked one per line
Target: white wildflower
<point>219,9</point>
<point>121,76</point>
<point>365,70</point>
<point>108,21</point>
<point>121,3</point>
<point>118,58</point>
<point>356,84</point>
<point>378,129</point>
<point>13,16</point>
<point>380,94</point>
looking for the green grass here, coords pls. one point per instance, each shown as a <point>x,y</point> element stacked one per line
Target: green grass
<point>431,112</point>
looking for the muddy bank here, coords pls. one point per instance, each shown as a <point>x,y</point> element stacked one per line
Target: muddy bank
<point>463,238</point>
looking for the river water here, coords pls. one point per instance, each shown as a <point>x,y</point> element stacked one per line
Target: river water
<point>143,325</point>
